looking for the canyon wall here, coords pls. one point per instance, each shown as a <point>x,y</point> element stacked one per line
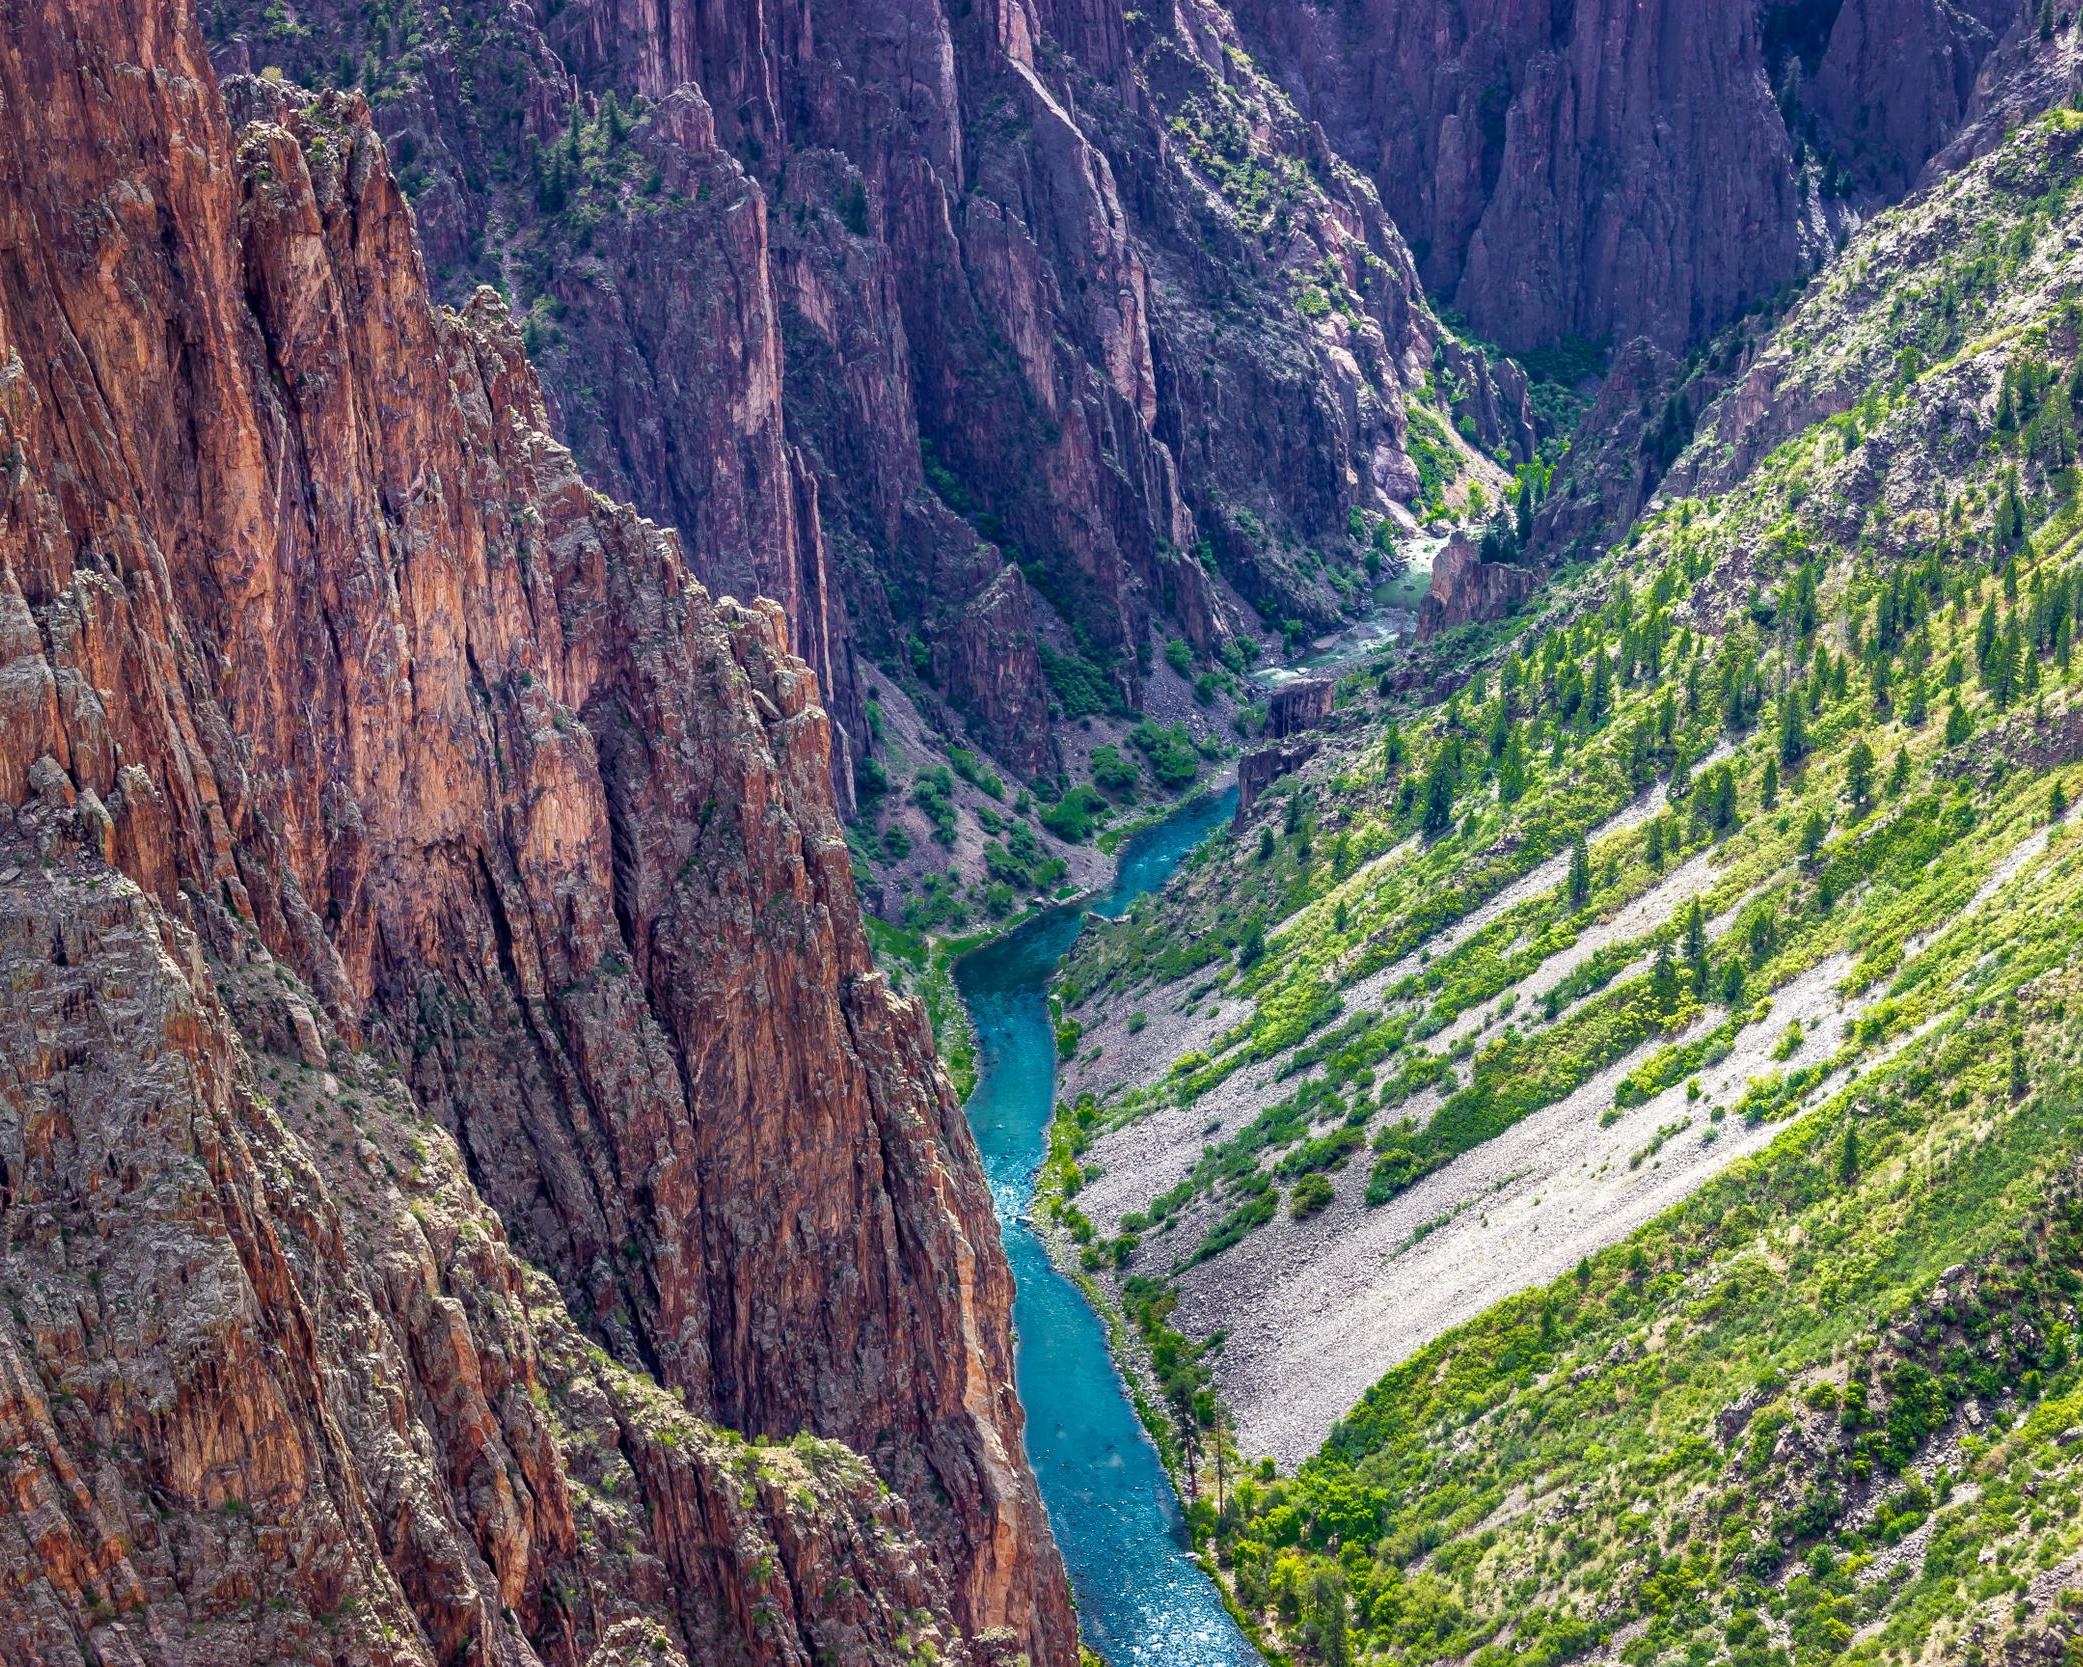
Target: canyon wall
<point>938,323</point>
<point>1467,590</point>
<point>1606,169</point>
<point>403,854</point>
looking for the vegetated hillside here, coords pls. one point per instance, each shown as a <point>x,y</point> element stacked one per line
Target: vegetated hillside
<point>945,325</point>
<point>1703,972</point>
<point>465,1192</point>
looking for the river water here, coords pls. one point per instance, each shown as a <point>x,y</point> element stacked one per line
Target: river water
<point>1142,1600</point>
<point>1391,617</point>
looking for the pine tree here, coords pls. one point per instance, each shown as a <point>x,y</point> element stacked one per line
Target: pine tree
<point>1957,727</point>
<point>1579,873</point>
<point>1898,777</point>
<point>2057,802</point>
<point>2010,514</point>
<point>1251,948</point>
<point>1663,977</point>
<point>1653,844</point>
<point>1813,832</point>
<point>1858,776</point>
<point>1848,1158</point>
<point>1696,944</point>
<point>1768,794</point>
<point>1719,800</point>
<point>1641,768</point>
<point>2005,666</point>
<point>1439,797</point>
<point>1511,771</point>
<point>1325,1617</point>
<point>1793,732</point>
<point>1680,783</point>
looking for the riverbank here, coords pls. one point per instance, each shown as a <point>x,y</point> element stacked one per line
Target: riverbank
<point>1130,1350</point>
<point>1144,1599</point>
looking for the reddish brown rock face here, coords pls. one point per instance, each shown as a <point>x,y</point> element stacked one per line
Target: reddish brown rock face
<point>1301,705</point>
<point>1259,769</point>
<point>997,285</point>
<point>1611,168</point>
<point>274,1387</point>
<point>1466,589</point>
<point>321,657</point>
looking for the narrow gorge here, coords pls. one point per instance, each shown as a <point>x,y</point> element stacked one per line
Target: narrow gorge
<point>1027,833</point>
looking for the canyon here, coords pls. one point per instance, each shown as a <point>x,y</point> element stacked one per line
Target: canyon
<point>1589,1165</point>
<point>949,327</point>
<point>564,562</point>
<point>1606,170</point>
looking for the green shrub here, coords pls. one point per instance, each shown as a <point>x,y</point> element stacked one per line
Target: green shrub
<point>1082,688</point>
<point>1170,751</point>
<point>1113,774</point>
<point>1073,817</point>
<point>933,791</point>
<point>1312,1193</point>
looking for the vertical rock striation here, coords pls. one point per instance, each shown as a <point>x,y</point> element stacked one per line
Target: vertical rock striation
<point>1608,168</point>
<point>1467,589</point>
<point>345,724</point>
<point>1067,289</point>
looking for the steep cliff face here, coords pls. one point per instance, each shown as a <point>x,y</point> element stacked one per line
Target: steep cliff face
<point>274,1386</point>
<point>321,657</point>
<point>1897,78</point>
<point>1613,169</point>
<point>1465,588</point>
<point>962,289</point>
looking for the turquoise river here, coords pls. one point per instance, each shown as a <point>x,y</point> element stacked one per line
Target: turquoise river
<point>1142,1600</point>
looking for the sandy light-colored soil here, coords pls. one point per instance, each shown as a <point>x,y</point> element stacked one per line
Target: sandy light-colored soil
<point>1132,1164</point>
<point>1354,1291</point>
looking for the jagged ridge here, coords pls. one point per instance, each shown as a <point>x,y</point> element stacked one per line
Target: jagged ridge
<point>313,635</point>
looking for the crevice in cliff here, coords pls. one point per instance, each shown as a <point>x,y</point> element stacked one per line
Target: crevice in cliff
<point>569,1264</point>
